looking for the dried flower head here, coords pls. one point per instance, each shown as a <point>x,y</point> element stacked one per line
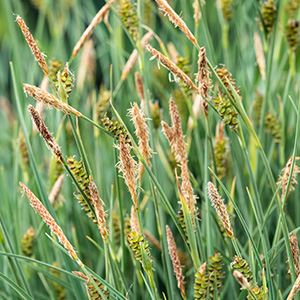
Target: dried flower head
<point>46,98</point>
<point>220,207</point>
<point>260,55</point>
<point>227,80</point>
<point>176,20</point>
<point>99,209</point>
<point>39,56</point>
<point>91,28</point>
<point>172,67</point>
<point>285,174</point>
<point>48,219</point>
<point>203,75</point>
<point>141,130</point>
<point>45,133</point>
<point>128,167</point>
<point>175,261</point>
<point>295,252</point>
<point>135,55</point>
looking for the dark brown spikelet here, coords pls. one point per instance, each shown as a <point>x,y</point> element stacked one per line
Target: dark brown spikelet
<point>242,266</point>
<point>227,8</point>
<point>78,170</point>
<point>215,273</point>
<point>220,151</point>
<point>59,290</point>
<point>116,129</point>
<point>140,249</point>
<point>27,242</point>
<point>292,33</point>
<point>102,103</point>
<point>226,111</point>
<point>91,289</point>
<point>129,18</point>
<point>201,284</point>
<point>268,12</point>
<point>227,80</point>
<point>273,126</point>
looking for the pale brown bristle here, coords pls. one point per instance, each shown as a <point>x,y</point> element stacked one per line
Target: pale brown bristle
<point>220,207</point>
<point>45,133</point>
<point>91,28</point>
<point>48,219</point>
<point>99,209</point>
<point>135,55</point>
<point>172,67</point>
<point>33,45</point>
<point>46,98</point>
<point>128,167</point>
<point>176,20</point>
<point>175,261</point>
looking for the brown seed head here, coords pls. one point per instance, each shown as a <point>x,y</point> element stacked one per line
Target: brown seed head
<point>91,28</point>
<point>172,67</point>
<point>203,75</point>
<point>295,289</point>
<point>46,98</point>
<point>99,209</point>
<point>221,210</point>
<point>176,20</point>
<point>295,252</point>
<point>48,219</point>
<point>175,261</point>
<point>45,133</point>
<point>33,45</point>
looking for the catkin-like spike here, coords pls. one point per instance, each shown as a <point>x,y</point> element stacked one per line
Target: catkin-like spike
<point>295,252</point>
<point>227,80</point>
<point>180,217</point>
<point>156,114</point>
<point>45,133</point>
<point>176,20</point>
<point>257,106</point>
<point>141,131</point>
<point>55,191</point>
<point>99,209</point>
<point>91,28</point>
<point>292,8</point>
<point>116,129</point>
<point>55,170</point>
<point>46,98</point>
<point>175,261</point>
<point>55,66</point>
<point>33,45</point>
<point>293,34</point>
<point>215,272</point>
<point>78,170</point>
<point>116,228</point>
<point>227,8</point>
<point>48,219</point>
<point>103,103</point>
<point>259,293</point>
<point>283,179</point>
<point>172,67</point>
<point>59,290</point>
<point>65,82</point>
<point>23,150</point>
<point>201,285</point>
<point>175,137</point>
<point>27,242</point>
<point>260,55</point>
<point>268,12</point>
<point>203,75</point>
<point>135,55</point>
<point>243,267</point>
<point>129,18</point>
<point>148,13</point>
<point>184,64</point>
<point>226,111</point>
<point>220,151</point>
<point>91,290</point>
<point>128,167</point>
<point>273,126</point>
<point>221,210</point>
